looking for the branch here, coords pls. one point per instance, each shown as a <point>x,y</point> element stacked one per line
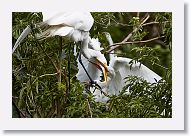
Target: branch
<point>69,73</point>
<point>67,84</point>
<point>42,75</point>
<point>58,103</point>
<point>150,23</point>
<point>129,36</point>
<point>160,66</point>
<point>89,108</point>
<point>154,22</point>
<point>134,42</point>
<point>137,28</point>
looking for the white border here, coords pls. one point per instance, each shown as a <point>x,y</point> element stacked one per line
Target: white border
<point>174,123</point>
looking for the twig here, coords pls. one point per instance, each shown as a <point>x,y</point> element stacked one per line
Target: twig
<point>137,28</point>
<point>89,108</point>
<point>43,75</point>
<point>135,42</point>
<point>161,66</point>
<point>27,108</point>
<point>154,22</point>
<point>59,80</point>
<point>59,61</point>
<point>129,36</point>
<point>58,107</point>
<point>69,68</point>
<point>66,81</point>
<point>150,23</point>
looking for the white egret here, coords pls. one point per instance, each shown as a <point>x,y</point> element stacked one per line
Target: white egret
<point>94,72</point>
<point>93,69</point>
<point>118,69</point>
<point>75,25</point>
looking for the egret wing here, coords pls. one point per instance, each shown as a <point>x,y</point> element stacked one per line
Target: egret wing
<point>55,30</point>
<point>78,20</point>
<point>123,65</point>
<point>116,84</point>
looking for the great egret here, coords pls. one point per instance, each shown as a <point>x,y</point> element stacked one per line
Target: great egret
<point>118,69</point>
<point>94,72</point>
<point>92,69</point>
<point>75,25</point>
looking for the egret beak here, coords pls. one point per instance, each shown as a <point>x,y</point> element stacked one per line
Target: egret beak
<point>104,69</point>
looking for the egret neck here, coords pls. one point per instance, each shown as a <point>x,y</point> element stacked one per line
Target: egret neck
<point>94,57</point>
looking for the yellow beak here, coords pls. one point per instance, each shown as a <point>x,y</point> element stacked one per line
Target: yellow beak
<point>104,69</point>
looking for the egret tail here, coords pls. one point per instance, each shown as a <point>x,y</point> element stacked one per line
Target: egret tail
<point>26,31</point>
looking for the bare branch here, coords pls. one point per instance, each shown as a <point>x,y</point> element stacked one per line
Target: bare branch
<point>134,42</point>
<point>147,16</point>
<point>154,22</point>
<point>137,28</point>
<point>150,23</point>
<point>67,84</point>
<point>57,101</point>
<point>43,75</point>
<point>89,108</point>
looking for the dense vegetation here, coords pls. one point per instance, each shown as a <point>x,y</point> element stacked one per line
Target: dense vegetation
<point>38,90</point>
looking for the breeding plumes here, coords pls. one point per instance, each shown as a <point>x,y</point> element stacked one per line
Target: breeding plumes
<point>118,69</point>
<point>74,25</point>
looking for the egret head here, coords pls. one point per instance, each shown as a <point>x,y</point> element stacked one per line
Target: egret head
<point>98,58</point>
<point>95,44</point>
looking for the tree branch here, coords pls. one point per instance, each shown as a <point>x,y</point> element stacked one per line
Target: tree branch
<point>154,22</point>
<point>42,75</point>
<point>67,85</point>
<point>147,16</point>
<point>134,42</point>
<point>150,23</point>
<point>89,108</point>
<point>58,103</point>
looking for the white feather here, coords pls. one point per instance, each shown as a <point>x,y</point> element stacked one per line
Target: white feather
<point>77,20</point>
<point>74,25</point>
<point>93,71</point>
<point>25,32</point>
<point>126,69</point>
<point>95,44</point>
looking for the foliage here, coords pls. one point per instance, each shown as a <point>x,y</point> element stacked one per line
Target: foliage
<point>40,91</point>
